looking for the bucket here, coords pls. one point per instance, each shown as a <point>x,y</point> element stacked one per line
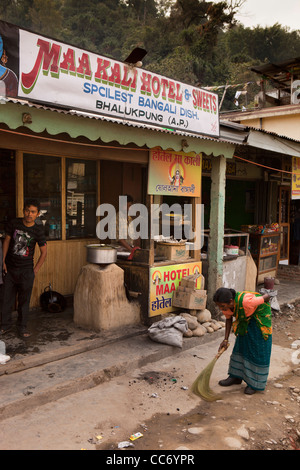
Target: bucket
<point>231,250</point>
<point>269,283</point>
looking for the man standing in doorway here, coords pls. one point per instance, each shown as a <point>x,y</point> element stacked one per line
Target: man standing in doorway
<point>22,234</point>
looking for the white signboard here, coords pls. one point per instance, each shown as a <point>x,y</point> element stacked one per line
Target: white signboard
<point>57,73</point>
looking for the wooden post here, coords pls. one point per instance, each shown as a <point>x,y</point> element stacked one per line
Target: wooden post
<point>98,202</point>
<point>263,93</point>
<point>151,240</point>
<point>19,184</point>
<point>63,199</point>
<point>216,224</point>
<point>196,227</point>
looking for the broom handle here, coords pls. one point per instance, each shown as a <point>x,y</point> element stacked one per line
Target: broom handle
<point>220,352</point>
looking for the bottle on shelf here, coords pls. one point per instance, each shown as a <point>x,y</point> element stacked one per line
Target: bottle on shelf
<point>52,228</point>
<point>58,228</point>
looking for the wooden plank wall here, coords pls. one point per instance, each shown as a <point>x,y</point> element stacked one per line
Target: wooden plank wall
<point>61,268</point>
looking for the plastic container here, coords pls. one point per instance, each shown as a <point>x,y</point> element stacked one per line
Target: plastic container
<point>232,250</point>
<point>269,283</point>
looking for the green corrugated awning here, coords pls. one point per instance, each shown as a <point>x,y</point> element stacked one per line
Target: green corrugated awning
<point>93,127</point>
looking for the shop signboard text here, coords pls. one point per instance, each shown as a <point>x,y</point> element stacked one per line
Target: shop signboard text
<point>52,72</point>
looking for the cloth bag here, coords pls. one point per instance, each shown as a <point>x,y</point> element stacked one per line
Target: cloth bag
<point>169,331</point>
<point>273,300</point>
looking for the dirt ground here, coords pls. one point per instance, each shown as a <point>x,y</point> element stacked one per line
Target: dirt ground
<point>268,420</point>
<point>155,401</point>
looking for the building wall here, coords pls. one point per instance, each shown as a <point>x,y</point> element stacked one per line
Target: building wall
<point>288,125</point>
<point>283,120</point>
<point>288,272</point>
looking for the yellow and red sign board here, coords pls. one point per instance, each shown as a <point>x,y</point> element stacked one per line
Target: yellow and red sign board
<point>174,173</point>
<point>296,178</point>
<point>164,280</point>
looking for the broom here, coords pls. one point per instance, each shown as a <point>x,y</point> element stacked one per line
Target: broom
<point>201,386</point>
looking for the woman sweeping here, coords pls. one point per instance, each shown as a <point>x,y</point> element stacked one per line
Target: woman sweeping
<point>250,358</point>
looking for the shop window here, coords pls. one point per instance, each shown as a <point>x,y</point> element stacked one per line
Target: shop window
<point>42,181</point>
<point>81,198</point>
<point>7,188</point>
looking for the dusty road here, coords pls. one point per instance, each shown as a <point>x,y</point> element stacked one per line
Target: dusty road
<point>155,401</point>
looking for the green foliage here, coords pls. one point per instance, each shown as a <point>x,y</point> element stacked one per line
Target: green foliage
<point>270,44</point>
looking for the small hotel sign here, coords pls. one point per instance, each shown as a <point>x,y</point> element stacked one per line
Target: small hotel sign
<point>296,178</point>
<point>174,173</point>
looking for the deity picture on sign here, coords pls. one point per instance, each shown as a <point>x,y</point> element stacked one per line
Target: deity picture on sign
<point>7,76</point>
<point>156,277</point>
<point>196,270</point>
<point>176,174</point>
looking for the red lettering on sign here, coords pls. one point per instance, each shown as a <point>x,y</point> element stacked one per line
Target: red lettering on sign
<point>68,64</point>
<point>47,55</point>
<point>146,83</point>
<point>101,73</point>
<point>115,77</point>
<point>84,68</point>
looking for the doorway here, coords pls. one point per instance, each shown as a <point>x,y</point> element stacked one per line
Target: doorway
<point>284,223</point>
<point>7,188</point>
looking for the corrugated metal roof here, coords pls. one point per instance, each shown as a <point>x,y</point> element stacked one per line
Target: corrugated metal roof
<point>225,136</point>
<point>274,134</point>
<point>280,73</point>
<point>230,132</point>
<point>273,143</point>
<point>247,115</point>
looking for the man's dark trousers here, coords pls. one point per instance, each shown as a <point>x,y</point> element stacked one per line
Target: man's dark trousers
<point>17,281</point>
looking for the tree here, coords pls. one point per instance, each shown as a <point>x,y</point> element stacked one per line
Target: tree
<point>185,13</point>
<point>199,25</point>
<point>46,16</point>
<point>270,44</point>
<point>17,12</point>
<point>145,10</point>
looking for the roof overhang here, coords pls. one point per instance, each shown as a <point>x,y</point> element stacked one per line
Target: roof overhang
<point>280,74</point>
<point>77,124</point>
<point>56,121</point>
<point>273,143</point>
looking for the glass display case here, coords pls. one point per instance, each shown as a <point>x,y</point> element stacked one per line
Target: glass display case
<point>265,250</point>
<point>81,198</point>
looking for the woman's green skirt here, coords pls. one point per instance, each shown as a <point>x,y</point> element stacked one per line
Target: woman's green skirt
<point>250,358</point>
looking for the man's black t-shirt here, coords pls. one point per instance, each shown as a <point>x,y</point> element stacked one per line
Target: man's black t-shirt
<point>22,243</point>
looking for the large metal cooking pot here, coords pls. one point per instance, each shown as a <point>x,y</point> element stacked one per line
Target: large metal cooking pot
<point>101,254</point>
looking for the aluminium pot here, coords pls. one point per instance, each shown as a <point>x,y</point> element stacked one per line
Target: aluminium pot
<point>101,254</point>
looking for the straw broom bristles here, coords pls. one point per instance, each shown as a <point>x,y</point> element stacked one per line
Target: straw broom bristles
<point>201,386</point>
